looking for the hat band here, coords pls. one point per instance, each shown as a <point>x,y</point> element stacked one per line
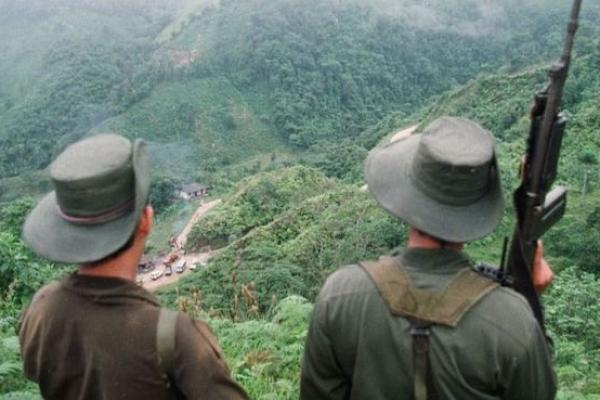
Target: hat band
<point>106,216</point>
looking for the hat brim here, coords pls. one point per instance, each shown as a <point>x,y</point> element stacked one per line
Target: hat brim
<point>388,176</point>
<point>54,238</point>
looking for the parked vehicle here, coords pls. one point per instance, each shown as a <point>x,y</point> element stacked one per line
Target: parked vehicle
<point>156,274</point>
<point>168,270</point>
<point>139,280</point>
<point>180,265</point>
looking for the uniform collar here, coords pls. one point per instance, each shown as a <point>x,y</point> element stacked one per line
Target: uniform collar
<point>107,290</point>
<point>434,259</point>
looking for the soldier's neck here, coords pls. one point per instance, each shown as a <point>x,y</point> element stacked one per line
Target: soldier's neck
<point>418,239</point>
<point>124,266</point>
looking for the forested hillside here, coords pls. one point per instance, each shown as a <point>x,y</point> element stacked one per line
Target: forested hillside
<point>274,74</point>
<point>275,105</point>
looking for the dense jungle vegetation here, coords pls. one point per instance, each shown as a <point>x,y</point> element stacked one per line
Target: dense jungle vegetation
<point>275,104</point>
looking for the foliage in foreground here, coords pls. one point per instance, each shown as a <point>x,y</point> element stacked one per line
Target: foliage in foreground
<point>572,313</point>
<point>21,271</point>
<point>264,354</point>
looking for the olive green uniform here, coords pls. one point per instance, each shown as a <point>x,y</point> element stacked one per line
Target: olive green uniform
<point>95,338</point>
<point>356,349</point>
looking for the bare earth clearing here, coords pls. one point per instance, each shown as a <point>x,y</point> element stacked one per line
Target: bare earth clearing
<point>191,258</point>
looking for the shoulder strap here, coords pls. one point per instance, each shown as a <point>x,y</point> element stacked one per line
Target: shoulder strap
<point>165,343</point>
<point>441,308</point>
<point>424,308</point>
<point>423,384</point>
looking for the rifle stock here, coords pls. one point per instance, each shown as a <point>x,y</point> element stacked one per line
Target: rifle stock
<point>537,207</point>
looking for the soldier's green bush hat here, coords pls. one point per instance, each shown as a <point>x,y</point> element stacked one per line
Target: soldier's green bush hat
<point>101,187</point>
<point>443,181</point>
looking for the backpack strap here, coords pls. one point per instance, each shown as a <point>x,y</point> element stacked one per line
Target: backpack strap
<point>424,308</point>
<point>423,385</point>
<point>441,308</point>
<point>165,343</point>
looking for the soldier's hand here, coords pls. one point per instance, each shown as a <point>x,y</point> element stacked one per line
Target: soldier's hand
<point>541,273</point>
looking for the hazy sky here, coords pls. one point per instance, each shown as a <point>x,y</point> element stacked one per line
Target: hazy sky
<point>470,17</point>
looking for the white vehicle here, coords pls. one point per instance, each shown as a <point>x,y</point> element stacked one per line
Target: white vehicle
<point>180,265</point>
<point>193,267</point>
<point>156,274</point>
<point>139,280</point>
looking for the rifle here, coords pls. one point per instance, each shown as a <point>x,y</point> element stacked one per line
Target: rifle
<point>537,207</point>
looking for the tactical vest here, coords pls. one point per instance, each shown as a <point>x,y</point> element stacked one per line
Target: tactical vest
<point>424,308</point>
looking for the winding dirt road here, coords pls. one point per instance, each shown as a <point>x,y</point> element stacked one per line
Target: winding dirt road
<point>191,258</point>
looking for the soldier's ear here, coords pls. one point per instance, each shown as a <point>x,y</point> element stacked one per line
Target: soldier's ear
<point>146,221</point>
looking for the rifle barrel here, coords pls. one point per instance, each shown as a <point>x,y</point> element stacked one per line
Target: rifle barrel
<point>558,75</point>
<point>571,29</point>
<point>530,197</point>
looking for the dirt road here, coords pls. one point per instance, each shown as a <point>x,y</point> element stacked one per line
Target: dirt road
<point>191,259</point>
<point>203,209</point>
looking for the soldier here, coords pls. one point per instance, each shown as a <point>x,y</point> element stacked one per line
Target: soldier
<point>96,334</point>
<point>423,324</point>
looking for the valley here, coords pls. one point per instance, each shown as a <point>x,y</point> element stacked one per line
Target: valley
<point>274,106</point>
